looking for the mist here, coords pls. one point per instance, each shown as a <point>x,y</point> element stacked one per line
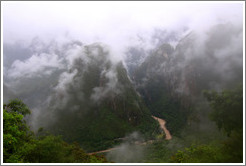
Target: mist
<point>70,60</point>
<point>128,151</point>
<point>38,29</point>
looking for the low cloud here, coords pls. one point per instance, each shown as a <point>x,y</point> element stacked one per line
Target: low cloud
<point>35,66</point>
<point>129,151</point>
<point>110,87</point>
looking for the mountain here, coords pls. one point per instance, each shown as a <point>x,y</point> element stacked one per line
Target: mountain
<point>94,102</point>
<point>156,83</point>
<point>85,94</point>
<point>171,80</point>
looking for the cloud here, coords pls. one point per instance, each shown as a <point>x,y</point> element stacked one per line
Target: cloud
<point>35,66</point>
<point>65,79</point>
<point>109,22</point>
<point>120,25</point>
<point>217,51</point>
<point>110,87</point>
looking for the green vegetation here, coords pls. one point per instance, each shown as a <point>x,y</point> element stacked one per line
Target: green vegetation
<point>100,106</point>
<point>163,104</point>
<point>158,152</point>
<point>21,145</point>
<point>158,85</point>
<point>97,124</point>
<point>227,112</point>
<point>170,109</point>
<point>227,109</point>
<point>198,154</point>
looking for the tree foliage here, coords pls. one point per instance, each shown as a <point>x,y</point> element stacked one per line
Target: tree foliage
<point>15,130</point>
<point>198,154</point>
<point>227,113</point>
<point>20,145</point>
<point>227,109</point>
<point>16,105</point>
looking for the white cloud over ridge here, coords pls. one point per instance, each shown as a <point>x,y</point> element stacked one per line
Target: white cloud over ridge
<point>118,24</point>
<point>35,66</point>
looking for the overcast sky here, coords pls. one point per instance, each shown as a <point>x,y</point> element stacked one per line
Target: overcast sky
<point>110,22</point>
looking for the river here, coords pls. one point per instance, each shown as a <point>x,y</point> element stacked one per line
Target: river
<point>162,124</point>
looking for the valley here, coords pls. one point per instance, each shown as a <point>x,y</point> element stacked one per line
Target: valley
<point>161,122</point>
<point>123,84</point>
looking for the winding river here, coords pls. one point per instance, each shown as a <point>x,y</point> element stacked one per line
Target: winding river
<point>162,123</point>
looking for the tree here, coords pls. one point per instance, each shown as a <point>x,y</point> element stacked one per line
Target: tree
<point>227,112</point>
<point>198,154</point>
<point>15,130</point>
<point>16,105</point>
<point>227,109</point>
<point>20,145</point>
